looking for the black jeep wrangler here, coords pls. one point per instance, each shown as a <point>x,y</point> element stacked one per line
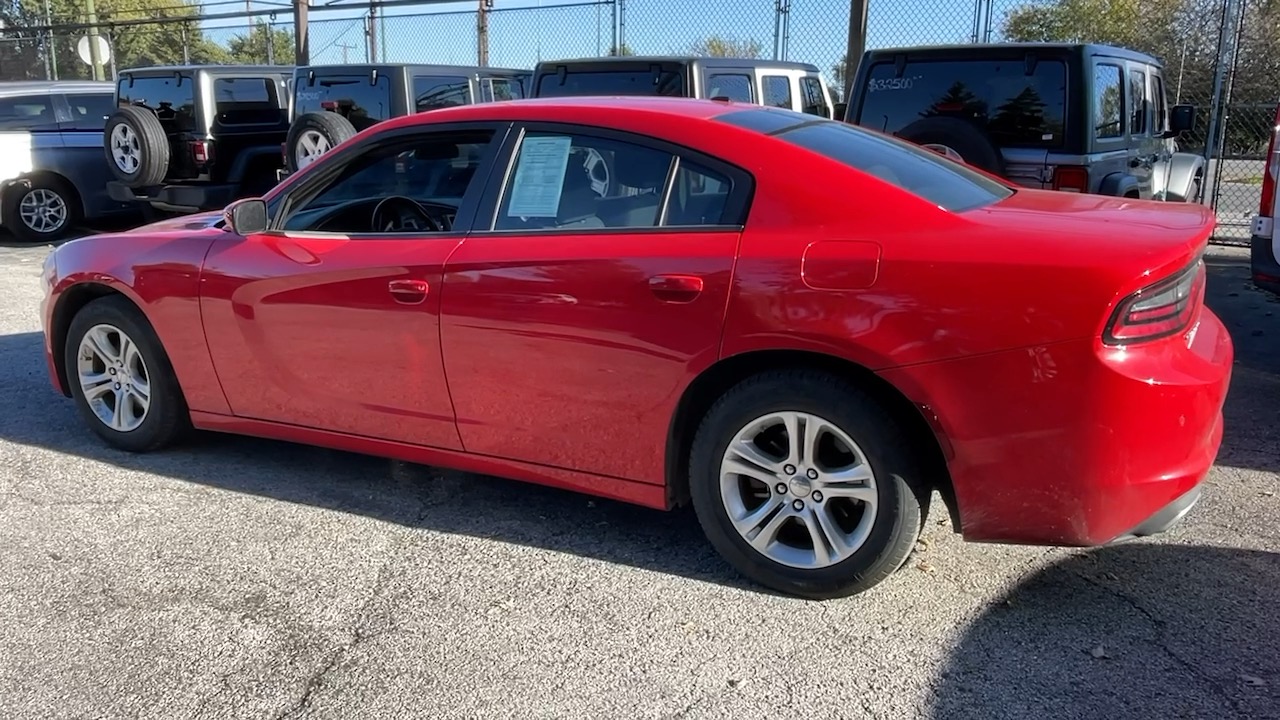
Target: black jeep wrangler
<point>194,138</point>
<point>1073,117</point>
<point>331,103</point>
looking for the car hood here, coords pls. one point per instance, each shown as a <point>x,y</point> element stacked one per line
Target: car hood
<point>197,221</point>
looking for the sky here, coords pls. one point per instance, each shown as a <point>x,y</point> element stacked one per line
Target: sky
<point>522,32</point>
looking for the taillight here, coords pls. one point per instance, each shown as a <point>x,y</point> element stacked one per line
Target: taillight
<point>1071,178</point>
<point>200,151</point>
<point>1159,310</point>
<point>1271,175</point>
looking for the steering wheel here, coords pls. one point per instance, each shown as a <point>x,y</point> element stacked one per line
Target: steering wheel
<point>397,213</point>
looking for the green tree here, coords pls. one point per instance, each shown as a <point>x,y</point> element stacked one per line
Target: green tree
<point>252,48</point>
<point>718,46</point>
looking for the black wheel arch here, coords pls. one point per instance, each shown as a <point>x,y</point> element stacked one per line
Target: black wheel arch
<point>70,302</point>
<point>709,385</point>
<point>22,184</point>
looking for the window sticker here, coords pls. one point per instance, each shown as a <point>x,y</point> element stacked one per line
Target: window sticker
<point>539,177</point>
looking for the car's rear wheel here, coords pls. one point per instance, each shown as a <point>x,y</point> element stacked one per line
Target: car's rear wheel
<point>806,485</point>
<point>44,210</point>
<point>314,134</point>
<point>137,147</point>
<point>121,378</point>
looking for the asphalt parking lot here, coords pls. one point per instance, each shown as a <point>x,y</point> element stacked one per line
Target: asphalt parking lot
<point>245,578</point>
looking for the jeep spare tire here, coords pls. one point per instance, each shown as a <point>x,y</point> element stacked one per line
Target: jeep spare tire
<point>137,147</point>
<point>973,145</point>
<point>314,134</point>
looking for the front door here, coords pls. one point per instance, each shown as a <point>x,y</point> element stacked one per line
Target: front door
<point>1144,149</point>
<point>331,319</point>
<point>582,306</point>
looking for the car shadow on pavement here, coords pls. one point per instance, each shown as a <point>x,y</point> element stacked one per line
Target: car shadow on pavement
<point>1252,413</point>
<point>1139,630</point>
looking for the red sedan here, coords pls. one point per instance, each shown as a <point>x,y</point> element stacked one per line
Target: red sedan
<point>801,327</point>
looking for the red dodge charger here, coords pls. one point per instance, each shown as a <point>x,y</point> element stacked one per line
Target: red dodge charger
<point>803,328</point>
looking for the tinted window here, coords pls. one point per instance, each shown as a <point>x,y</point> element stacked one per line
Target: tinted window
<point>815,103</point>
<point>700,197</point>
<point>945,183</point>
<point>89,112</point>
<point>433,93</point>
<point>172,98</point>
<point>27,113</point>
<point>1016,109</point>
<point>732,86</point>
<point>1137,108</point>
<point>777,91</point>
<point>435,168</point>
<point>639,81</point>
<point>763,120</point>
<point>499,89</point>
<point>1108,102</point>
<point>363,103</point>
<point>243,101</point>
<point>1161,115</point>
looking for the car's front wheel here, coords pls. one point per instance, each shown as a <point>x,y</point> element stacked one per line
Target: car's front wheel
<point>121,378</point>
<point>806,485</point>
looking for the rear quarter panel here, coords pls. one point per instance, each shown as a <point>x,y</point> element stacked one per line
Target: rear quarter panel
<point>160,272</point>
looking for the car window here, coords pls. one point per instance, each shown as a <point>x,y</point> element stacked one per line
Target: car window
<point>1137,106</point>
<point>734,86</point>
<point>247,101</point>
<point>499,89</point>
<point>777,91</point>
<point>352,95</point>
<point>435,92</point>
<point>564,80</point>
<point>89,111</point>
<point>438,168</point>
<point>699,197</point>
<point>29,112</point>
<point>1017,109</point>
<point>948,184</point>
<point>1161,122</point>
<point>815,103</point>
<point>1108,102</point>
<point>171,97</point>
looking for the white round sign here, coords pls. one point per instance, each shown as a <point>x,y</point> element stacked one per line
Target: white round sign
<point>104,50</point>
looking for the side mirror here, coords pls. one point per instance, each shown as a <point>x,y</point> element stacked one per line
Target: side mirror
<point>841,110</point>
<point>1182,118</point>
<point>246,217</point>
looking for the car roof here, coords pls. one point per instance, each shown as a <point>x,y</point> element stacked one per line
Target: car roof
<point>978,49</point>
<point>47,87</point>
<point>411,67</point>
<point>699,59</point>
<point>215,69</point>
<point>572,109</point>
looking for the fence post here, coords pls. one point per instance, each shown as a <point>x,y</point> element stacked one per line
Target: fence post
<point>857,43</point>
<point>1216,107</point>
<point>301,45</point>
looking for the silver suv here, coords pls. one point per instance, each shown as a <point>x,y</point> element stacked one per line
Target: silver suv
<point>1072,117</point>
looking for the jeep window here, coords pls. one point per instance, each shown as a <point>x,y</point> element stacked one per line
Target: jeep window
<point>1161,122</point>
<point>1108,102</point>
<point>777,91</point>
<point>1137,104</point>
<point>172,98</point>
<point>735,86</point>
<point>815,103</point>
<point>31,112</point>
<point>948,184</point>
<point>352,96</point>
<point>1017,109</point>
<point>89,111</point>
<point>247,101</point>
<point>499,89</point>
<point>664,80</point>
<point>432,92</point>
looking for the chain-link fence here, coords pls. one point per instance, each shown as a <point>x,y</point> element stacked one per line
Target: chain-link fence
<point>1221,55</point>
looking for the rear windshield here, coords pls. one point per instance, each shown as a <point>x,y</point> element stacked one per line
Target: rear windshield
<point>172,97</point>
<point>924,173</point>
<point>363,103</point>
<point>1016,107</point>
<point>247,101</point>
<point>563,81</point>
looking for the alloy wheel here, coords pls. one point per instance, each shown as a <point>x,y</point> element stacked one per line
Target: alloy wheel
<point>114,378</point>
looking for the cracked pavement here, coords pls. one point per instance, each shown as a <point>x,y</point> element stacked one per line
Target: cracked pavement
<point>251,579</point>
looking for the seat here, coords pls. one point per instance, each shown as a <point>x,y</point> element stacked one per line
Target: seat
<point>577,201</point>
<point>647,173</point>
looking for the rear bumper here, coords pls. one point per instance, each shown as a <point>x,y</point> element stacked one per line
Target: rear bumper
<point>177,198</point>
<point>1264,267</point>
<point>1075,444</point>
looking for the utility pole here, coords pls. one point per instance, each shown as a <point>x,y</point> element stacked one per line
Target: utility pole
<point>53,42</point>
<point>95,58</point>
<point>301,46</point>
<point>482,33</point>
<point>372,32</point>
<point>857,43</point>
<point>345,47</point>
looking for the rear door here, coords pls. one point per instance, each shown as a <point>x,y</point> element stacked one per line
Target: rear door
<point>249,123</point>
<point>574,314</point>
<point>364,98</point>
<point>1144,150</point>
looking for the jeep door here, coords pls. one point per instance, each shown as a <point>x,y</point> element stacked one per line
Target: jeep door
<point>1144,148</point>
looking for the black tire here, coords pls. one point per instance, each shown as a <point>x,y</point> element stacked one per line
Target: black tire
<point>974,145</point>
<point>902,505</point>
<point>167,418</point>
<point>151,152</point>
<point>55,191</point>
<point>334,128</point>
